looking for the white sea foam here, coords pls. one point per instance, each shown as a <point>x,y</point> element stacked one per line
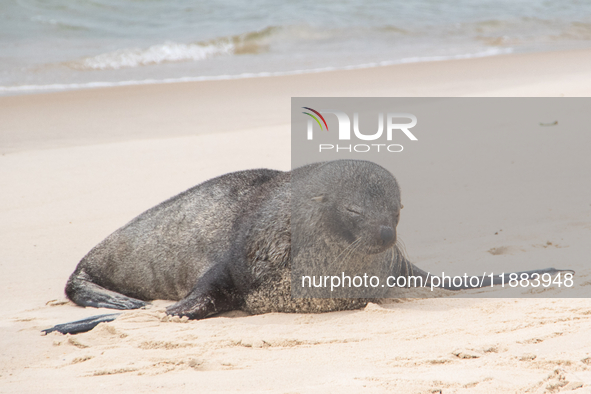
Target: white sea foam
<point>65,44</point>
<point>156,54</point>
<point>88,85</point>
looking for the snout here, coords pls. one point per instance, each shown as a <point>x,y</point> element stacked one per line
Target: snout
<point>387,235</point>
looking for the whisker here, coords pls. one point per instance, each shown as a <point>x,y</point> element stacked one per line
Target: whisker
<point>408,267</point>
<point>355,245</point>
<point>348,248</point>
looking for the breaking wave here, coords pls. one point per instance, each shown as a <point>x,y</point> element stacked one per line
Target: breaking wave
<point>156,54</point>
<point>87,85</point>
<point>168,52</point>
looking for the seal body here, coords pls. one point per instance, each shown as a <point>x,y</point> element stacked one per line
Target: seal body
<point>245,239</point>
<point>227,243</point>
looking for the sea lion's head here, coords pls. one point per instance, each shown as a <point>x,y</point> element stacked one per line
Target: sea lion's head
<point>358,203</point>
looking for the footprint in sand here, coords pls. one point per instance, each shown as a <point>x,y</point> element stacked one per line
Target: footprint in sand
<point>505,250</point>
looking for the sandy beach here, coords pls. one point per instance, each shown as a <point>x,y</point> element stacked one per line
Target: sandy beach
<point>77,165</point>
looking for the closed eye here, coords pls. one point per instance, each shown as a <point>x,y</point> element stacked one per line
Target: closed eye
<point>353,211</point>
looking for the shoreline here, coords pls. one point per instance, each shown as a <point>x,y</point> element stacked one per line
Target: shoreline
<point>196,108</point>
<point>60,87</point>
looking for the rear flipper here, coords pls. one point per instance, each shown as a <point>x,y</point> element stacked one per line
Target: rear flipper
<point>210,296</point>
<point>83,325</point>
<point>85,293</point>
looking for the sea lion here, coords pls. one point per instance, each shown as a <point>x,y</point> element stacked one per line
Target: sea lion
<point>229,243</point>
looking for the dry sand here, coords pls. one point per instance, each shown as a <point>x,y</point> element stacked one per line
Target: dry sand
<point>75,166</point>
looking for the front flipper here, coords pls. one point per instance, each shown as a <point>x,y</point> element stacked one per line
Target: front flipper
<point>214,293</point>
<point>83,325</point>
<point>86,293</point>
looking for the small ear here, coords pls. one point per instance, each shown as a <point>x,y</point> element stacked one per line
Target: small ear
<point>401,206</point>
<point>320,198</point>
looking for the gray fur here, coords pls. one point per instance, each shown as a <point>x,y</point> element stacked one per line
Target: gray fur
<point>229,243</point>
<point>164,251</point>
<point>238,226</point>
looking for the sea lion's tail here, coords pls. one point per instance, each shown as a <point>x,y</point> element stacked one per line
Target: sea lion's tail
<point>83,325</point>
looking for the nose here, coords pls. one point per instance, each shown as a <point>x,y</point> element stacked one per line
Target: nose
<point>387,234</point>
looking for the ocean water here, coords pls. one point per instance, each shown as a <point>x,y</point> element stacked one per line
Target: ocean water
<point>66,44</point>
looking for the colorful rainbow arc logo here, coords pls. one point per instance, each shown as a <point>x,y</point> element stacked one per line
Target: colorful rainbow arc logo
<point>315,118</point>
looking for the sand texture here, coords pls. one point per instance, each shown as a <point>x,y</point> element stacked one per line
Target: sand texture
<point>75,166</point>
